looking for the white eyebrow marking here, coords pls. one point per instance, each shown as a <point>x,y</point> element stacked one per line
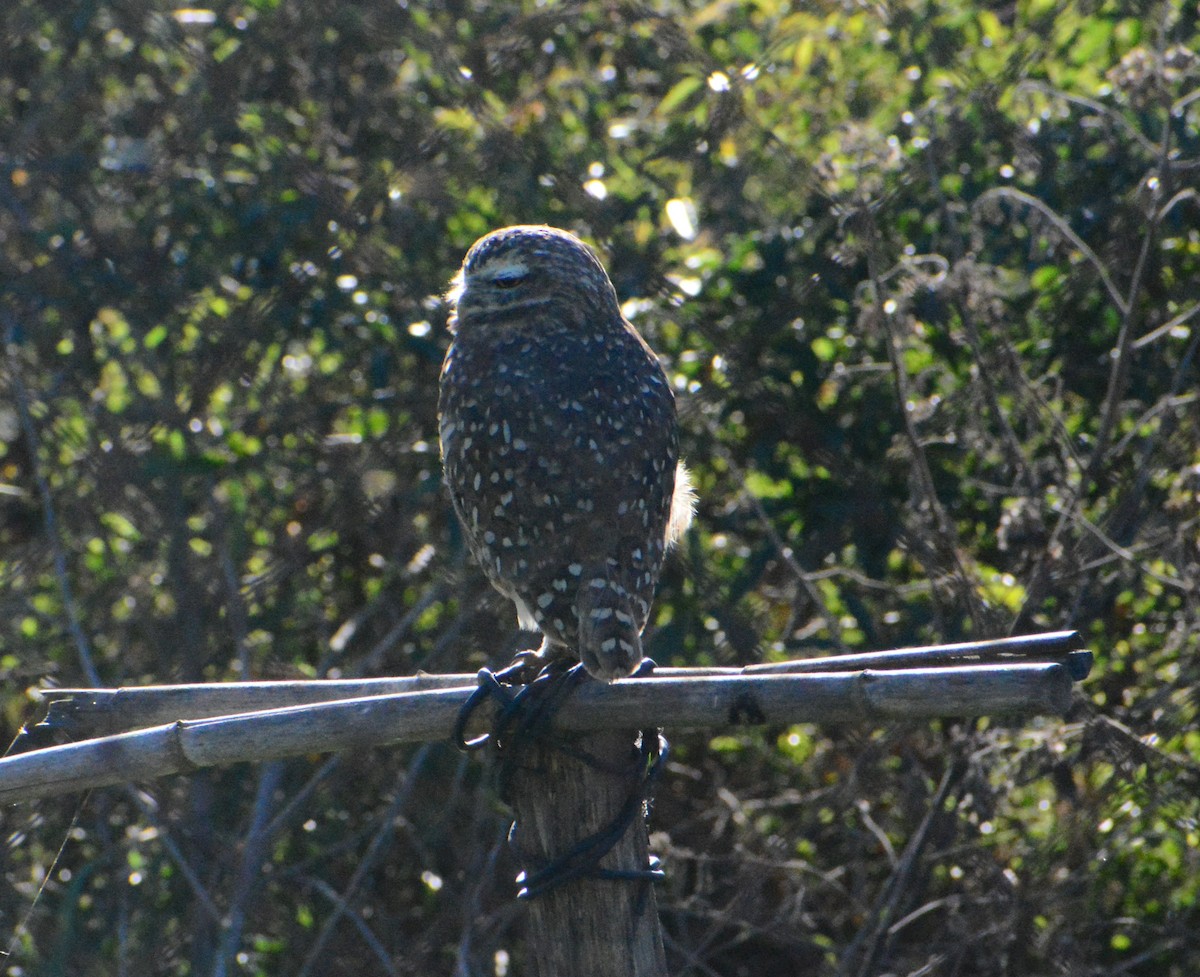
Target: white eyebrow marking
<point>506,269</point>
<point>497,270</point>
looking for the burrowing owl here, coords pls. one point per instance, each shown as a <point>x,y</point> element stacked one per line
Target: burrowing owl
<point>560,444</point>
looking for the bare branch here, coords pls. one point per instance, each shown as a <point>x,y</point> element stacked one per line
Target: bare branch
<point>249,872</point>
<point>1173,323</point>
<point>343,906</point>
<point>1060,224</point>
<point>1182,103</point>
<point>946,539</point>
<point>1119,375</point>
<point>1184,584</point>
<point>1181,196</point>
<point>862,956</point>
<point>148,806</point>
<point>1099,108</point>
<point>360,924</point>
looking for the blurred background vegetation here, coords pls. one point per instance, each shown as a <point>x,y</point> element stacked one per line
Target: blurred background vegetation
<point>926,276</point>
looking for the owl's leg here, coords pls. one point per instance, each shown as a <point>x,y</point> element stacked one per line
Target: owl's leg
<point>527,665</point>
<point>610,642</point>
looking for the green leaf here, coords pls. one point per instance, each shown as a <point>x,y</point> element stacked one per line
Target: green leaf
<point>679,93</point>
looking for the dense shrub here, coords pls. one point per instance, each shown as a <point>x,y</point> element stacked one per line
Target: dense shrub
<point>926,278</point>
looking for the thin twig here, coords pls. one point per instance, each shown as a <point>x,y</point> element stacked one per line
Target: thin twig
<point>1063,228</point>
<point>1127,555</point>
<point>1173,323</point>
<point>49,518</point>
<point>861,957</point>
<point>479,879</point>
<point>48,872</point>
<point>375,850</point>
<point>986,382</point>
<point>249,872</point>
<point>293,807</point>
<point>1167,404</point>
<point>374,659</point>
<point>1099,108</point>
<point>783,551</point>
<point>148,806</point>
<point>1180,104</point>
<point>945,531</point>
<point>360,924</point>
<point>1181,196</point>
<point>1119,375</point>
<point>1122,356</point>
<point>235,601</point>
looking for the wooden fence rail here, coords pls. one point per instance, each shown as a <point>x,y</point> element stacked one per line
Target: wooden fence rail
<point>80,713</point>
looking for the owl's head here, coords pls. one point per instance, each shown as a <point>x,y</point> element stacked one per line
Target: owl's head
<point>530,267</point>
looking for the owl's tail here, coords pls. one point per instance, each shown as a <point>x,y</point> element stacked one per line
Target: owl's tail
<point>610,641</point>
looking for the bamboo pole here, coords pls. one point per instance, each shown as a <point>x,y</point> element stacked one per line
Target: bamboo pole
<point>101,712</point>
<point>79,713</point>
<point>714,702</point>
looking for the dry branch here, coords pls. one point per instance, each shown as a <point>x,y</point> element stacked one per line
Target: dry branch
<point>661,700</point>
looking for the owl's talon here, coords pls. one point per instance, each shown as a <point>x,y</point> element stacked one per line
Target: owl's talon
<point>523,705</point>
<point>521,670</point>
<point>488,688</point>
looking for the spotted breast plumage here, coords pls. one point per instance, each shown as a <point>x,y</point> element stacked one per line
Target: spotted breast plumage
<point>560,444</point>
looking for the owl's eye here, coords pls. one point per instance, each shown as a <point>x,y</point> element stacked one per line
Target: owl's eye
<point>509,279</point>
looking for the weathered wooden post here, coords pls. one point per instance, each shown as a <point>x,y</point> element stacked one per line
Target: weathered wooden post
<point>593,927</point>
